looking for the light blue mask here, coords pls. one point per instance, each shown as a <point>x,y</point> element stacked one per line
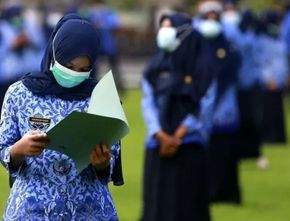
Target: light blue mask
<point>210,28</point>
<point>66,77</point>
<point>167,40</point>
<point>167,37</point>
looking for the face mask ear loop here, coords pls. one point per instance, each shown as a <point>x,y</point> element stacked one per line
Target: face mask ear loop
<point>188,29</point>
<point>53,52</point>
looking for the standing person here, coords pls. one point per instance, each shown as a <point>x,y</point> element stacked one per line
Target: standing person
<point>175,171</point>
<point>108,23</point>
<point>21,45</point>
<point>230,20</point>
<point>47,185</point>
<point>223,60</point>
<point>274,76</point>
<point>249,90</point>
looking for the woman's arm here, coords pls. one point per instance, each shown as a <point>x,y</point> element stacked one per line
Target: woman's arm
<point>13,148</point>
<point>30,145</point>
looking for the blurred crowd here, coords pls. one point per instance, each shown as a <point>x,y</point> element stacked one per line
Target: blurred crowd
<point>212,96</point>
<point>25,31</point>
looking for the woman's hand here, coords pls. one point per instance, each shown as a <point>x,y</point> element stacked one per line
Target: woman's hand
<point>168,144</point>
<point>272,85</point>
<point>100,156</point>
<point>30,145</point>
<point>180,132</point>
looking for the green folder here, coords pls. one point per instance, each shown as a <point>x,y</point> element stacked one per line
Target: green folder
<point>104,122</point>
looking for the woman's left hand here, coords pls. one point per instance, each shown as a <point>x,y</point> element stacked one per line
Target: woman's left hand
<point>100,156</point>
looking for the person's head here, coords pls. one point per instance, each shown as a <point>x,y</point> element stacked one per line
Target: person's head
<point>270,21</point>
<point>248,22</point>
<point>73,52</point>
<point>231,14</point>
<point>12,13</point>
<point>173,29</point>
<point>209,12</point>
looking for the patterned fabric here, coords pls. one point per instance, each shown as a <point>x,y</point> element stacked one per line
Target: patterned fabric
<point>48,186</point>
<point>226,114</point>
<point>273,61</point>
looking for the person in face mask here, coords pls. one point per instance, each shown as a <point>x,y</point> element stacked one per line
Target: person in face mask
<point>230,15</point>
<point>47,184</point>
<point>209,18</point>
<point>173,104</point>
<point>230,20</point>
<point>218,56</point>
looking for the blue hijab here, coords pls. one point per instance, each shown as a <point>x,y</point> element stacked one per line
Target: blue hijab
<point>72,37</point>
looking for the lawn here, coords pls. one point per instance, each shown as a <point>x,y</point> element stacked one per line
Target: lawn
<point>266,194</point>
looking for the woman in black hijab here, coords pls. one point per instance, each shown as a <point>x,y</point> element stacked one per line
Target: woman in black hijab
<point>175,171</point>
<point>218,56</point>
<point>274,77</point>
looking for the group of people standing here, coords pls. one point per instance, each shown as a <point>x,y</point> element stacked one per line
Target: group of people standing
<point>212,95</point>
<point>24,32</point>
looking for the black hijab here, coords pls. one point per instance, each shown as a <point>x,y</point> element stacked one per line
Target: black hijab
<point>183,59</point>
<point>72,37</point>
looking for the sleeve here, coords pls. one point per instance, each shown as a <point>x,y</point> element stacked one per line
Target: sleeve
<point>203,121</point>
<point>281,66</point>
<point>117,172</point>
<point>149,109</point>
<point>207,110</point>
<point>114,171</point>
<point>8,130</point>
<point>191,122</point>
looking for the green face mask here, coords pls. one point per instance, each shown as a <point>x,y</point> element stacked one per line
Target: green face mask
<point>66,77</point>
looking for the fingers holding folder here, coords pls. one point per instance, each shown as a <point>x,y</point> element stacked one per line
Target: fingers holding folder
<point>100,156</point>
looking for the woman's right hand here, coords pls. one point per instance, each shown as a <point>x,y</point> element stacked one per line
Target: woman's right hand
<point>30,145</point>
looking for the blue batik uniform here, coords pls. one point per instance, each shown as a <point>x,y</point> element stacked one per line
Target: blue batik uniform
<point>273,61</point>
<point>249,95</point>
<point>250,70</point>
<point>226,114</point>
<point>14,63</point>
<point>48,186</point>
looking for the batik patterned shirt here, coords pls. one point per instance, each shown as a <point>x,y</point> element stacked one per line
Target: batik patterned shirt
<point>48,187</point>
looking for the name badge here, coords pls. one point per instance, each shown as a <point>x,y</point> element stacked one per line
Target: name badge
<point>39,123</point>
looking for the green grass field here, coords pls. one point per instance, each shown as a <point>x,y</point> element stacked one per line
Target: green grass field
<point>266,194</point>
